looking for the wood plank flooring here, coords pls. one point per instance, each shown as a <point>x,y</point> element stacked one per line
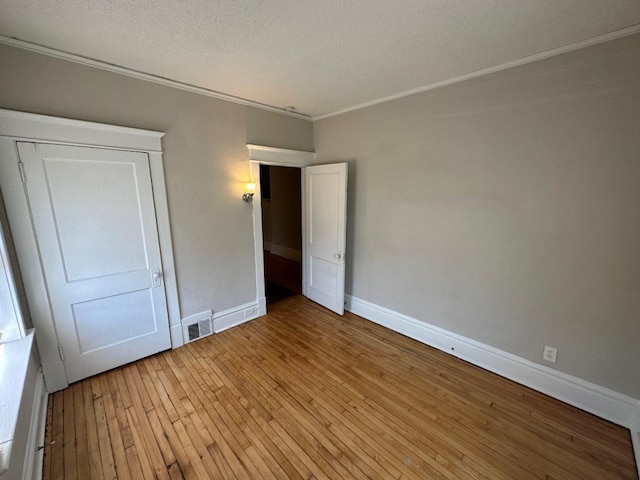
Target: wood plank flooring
<point>303,393</point>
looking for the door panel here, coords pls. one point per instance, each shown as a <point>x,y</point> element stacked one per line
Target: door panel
<point>324,192</point>
<point>325,215</point>
<point>84,254</point>
<point>323,275</point>
<point>106,322</point>
<point>94,219</point>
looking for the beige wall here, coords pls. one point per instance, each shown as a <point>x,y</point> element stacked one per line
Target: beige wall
<point>286,205</point>
<point>204,160</point>
<point>507,208</point>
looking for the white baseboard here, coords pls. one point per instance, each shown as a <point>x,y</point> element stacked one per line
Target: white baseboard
<point>226,318</point>
<point>603,402</point>
<point>286,252</point>
<point>262,306</point>
<point>635,438</point>
<point>197,317</point>
<point>34,455</point>
<point>236,316</point>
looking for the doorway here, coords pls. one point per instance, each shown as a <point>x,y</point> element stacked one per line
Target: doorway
<point>281,193</point>
<point>323,199</point>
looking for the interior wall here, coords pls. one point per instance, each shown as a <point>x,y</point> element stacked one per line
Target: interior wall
<point>286,208</point>
<point>205,160</point>
<point>506,208</point>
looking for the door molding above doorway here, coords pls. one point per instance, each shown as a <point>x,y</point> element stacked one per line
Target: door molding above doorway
<point>32,126</point>
<point>20,126</point>
<point>283,157</point>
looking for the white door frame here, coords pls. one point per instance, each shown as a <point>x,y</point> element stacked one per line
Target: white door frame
<point>279,157</point>
<point>40,128</point>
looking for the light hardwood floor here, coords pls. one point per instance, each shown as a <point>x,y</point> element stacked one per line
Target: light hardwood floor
<point>303,393</point>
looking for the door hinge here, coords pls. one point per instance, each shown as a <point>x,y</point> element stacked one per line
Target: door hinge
<point>61,353</point>
<point>23,177</point>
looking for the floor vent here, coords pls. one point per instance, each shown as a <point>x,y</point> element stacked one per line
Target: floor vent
<point>197,326</point>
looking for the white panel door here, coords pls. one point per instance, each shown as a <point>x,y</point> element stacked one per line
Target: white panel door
<point>325,239</point>
<point>95,224</point>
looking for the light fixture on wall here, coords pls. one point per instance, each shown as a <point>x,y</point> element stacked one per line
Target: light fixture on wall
<point>251,190</point>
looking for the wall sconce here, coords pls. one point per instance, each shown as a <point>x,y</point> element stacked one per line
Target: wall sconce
<point>248,195</point>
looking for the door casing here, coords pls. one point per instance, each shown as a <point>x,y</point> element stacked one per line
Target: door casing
<point>19,126</point>
<point>281,157</point>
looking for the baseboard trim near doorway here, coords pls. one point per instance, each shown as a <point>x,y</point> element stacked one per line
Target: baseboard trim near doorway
<point>34,457</point>
<point>235,316</point>
<point>286,252</point>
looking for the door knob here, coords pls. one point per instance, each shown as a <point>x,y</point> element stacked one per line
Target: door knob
<point>338,256</point>
<point>156,276</point>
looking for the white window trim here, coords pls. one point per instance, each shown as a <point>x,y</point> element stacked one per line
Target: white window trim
<point>19,329</point>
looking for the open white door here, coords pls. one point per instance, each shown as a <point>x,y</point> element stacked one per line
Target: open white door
<point>94,218</point>
<point>325,235</point>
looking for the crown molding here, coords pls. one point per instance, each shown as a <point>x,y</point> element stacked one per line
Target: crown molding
<point>15,42</point>
<point>624,32</point>
<point>110,67</point>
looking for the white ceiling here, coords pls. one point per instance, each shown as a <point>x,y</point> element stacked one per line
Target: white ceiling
<point>322,56</point>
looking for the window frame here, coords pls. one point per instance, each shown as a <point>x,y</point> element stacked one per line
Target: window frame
<point>11,329</point>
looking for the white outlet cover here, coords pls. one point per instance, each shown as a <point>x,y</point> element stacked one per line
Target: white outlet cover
<point>550,354</point>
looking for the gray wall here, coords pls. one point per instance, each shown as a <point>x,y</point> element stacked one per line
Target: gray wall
<point>507,208</point>
<point>204,160</point>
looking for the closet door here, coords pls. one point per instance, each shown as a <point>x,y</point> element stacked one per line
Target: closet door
<point>95,224</point>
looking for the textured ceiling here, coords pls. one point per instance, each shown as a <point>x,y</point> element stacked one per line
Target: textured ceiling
<point>322,56</point>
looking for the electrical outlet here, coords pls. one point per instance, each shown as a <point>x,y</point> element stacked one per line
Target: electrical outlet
<point>550,354</point>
